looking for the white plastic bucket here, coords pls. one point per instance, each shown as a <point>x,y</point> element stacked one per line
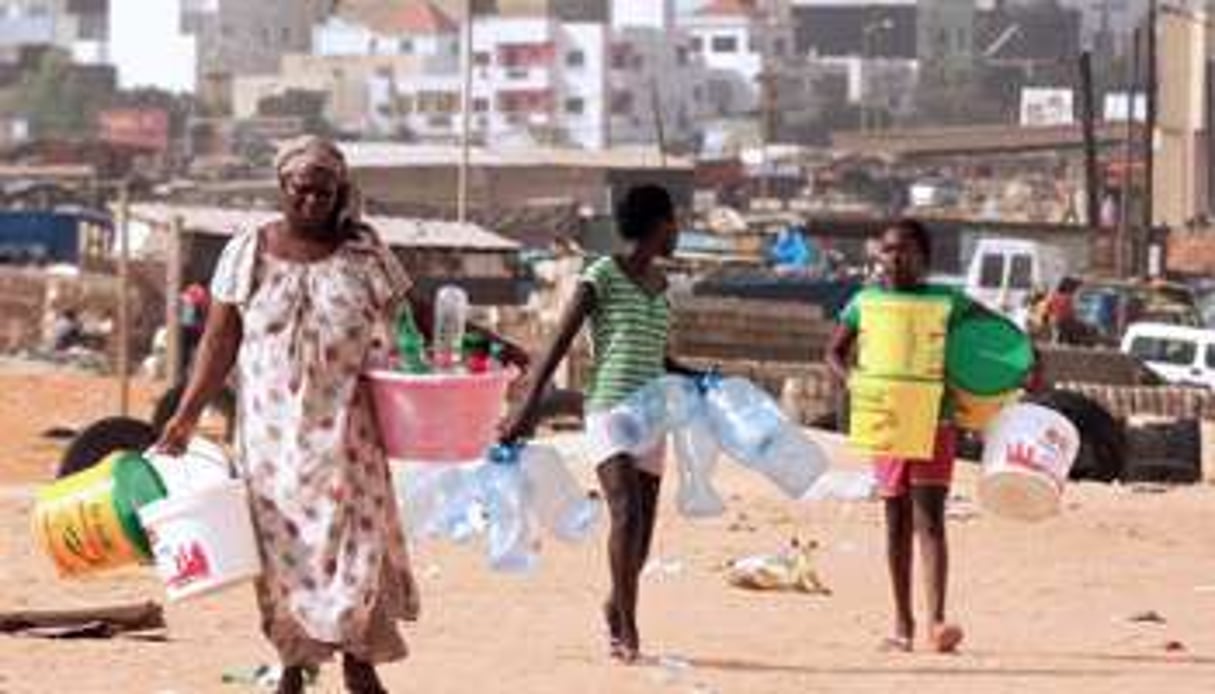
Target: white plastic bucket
<point>203,541</point>
<point>1028,452</point>
<point>203,465</point>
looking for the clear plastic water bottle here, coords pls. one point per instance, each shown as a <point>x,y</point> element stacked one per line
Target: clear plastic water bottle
<point>451,317</point>
<point>440,502</point>
<point>751,428</point>
<point>560,503</point>
<point>639,422</point>
<point>696,452</point>
<point>511,534</point>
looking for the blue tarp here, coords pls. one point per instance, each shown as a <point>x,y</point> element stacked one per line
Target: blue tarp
<point>51,237</point>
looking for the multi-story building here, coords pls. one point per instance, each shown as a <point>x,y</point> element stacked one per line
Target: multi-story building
<point>945,40</point>
<point>78,27</point>
<point>241,37</point>
<point>534,79</point>
<point>740,42</point>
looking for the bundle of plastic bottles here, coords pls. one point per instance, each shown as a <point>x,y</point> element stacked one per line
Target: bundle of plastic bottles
<point>510,497</point>
<point>710,415</point>
<point>453,348</point>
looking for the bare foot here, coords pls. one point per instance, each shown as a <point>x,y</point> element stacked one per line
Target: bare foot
<point>895,644</point>
<point>946,637</point>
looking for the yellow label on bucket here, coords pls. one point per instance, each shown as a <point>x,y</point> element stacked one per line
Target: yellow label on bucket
<point>77,524</point>
<point>893,417</point>
<point>902,337</point>
<point>974,412</point>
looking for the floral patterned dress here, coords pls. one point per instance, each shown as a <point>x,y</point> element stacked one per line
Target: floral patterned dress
<point>336,572</point>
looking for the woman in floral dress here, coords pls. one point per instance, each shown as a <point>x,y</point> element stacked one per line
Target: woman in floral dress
<point>299,306</point>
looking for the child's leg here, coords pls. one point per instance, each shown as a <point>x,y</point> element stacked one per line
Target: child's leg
<point>899,536</point>
<point>291,681</point>
<point>647,487</point>
<point>934,552</point>
<point>360,677</point>
<point>617,477</point>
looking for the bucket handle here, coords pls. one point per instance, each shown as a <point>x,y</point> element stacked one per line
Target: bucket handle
<point>228,464</point>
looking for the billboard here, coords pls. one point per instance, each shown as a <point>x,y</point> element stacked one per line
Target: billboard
<point>145,128</point>
<point>1047,106</point>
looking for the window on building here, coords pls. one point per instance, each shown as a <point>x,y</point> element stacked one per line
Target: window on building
<point>405,46</point>
<point>698,44</point>
<point>681,56</point>
<point>481,58</point>
<point>575,59</point>
<point>725,44</point>
<point>480,104</point>
<point>620,57</point>
<point>622,103</point>
<point>575,105</point>
<point>778,48</point>
<point>284,35</point>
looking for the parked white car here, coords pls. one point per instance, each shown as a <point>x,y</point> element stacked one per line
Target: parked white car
<point>1178,354</point>
<point>1004,273</point>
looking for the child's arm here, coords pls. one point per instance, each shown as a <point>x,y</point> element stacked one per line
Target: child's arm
<point>521,421</point>
<point>839,351</point>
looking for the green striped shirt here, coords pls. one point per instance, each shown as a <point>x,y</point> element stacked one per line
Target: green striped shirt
<point>629,329</point>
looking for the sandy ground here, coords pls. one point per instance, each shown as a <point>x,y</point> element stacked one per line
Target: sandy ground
<point>1047,607</point>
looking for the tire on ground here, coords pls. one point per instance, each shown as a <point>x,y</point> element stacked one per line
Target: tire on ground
<point>102,438</point>
<point>1103,449</point>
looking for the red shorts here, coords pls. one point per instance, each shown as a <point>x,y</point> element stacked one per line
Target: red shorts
<point>896,476</point>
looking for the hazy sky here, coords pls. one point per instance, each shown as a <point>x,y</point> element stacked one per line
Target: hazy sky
<point>146,47</point>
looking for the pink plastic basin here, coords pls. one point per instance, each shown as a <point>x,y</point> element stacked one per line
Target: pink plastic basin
<point>438,418</point>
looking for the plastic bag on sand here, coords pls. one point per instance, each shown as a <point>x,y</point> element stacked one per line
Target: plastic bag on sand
<point>843,485</point>
<point>790,570</point>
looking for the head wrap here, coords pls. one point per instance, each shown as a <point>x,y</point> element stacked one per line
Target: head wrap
<point>311,152</point>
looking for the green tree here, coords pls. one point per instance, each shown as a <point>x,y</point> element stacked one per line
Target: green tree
<point>57,99</point>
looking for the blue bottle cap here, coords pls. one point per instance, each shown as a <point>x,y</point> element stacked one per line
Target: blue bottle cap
<point>505,454</point>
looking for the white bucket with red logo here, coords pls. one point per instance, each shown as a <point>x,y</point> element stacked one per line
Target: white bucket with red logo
<point>1028,451</point>
<point>203,541</point>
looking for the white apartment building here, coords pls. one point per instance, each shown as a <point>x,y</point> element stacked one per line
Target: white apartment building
<point>535,79</point>
<point>738,41</point>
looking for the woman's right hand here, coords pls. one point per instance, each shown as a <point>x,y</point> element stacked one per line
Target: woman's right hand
<point>177,434</point>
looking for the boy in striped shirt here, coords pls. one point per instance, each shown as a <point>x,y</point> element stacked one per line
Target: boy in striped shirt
<point>624,298</point>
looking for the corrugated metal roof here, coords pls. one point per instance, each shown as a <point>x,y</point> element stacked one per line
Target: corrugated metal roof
<point>395,231</point>
<point>380,155</point>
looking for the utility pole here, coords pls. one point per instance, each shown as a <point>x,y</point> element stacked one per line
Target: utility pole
<point>466,61</point>
<point>123,329</point>
<point>659,129</point>
<point>1151,91</point>
<point>1123,252</point>
<point>1091,174</point>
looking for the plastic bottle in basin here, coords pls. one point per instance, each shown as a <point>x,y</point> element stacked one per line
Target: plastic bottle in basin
<point>560,503</point>
<point>751,427</point>
<point>411,346</point>
<point>451,317</point>
<point>696,453</point>
<point>511,535</point>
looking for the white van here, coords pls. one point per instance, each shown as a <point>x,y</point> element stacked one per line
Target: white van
<point>1004,273</point>
<point>1178,354</point>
